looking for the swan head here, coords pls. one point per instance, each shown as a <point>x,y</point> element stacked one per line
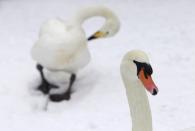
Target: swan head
<point>109,29</point>
<point>136,67</point>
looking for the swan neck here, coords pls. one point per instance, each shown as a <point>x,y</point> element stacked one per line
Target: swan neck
<point>139,105</point>
<point>89,12</point>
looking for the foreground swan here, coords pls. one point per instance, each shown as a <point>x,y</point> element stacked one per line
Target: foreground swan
<point>62,47</point>
<point>136,72</point>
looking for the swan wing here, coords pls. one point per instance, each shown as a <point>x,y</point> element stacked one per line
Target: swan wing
<point>61,46</point>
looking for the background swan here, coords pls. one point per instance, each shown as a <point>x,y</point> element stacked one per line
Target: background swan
<point>136,73</point>
<point>62,47</point>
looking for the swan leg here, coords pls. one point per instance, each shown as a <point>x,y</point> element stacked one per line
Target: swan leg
<point>45,86</point>
<point>67,94</point>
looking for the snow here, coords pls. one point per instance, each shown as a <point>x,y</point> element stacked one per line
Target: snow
<point>164,29</point>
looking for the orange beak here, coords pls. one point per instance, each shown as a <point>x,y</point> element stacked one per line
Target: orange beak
<point>148,82</point>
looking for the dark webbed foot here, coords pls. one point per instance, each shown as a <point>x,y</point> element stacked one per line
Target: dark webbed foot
<point>60,97</point>
<point>66,95</point>
<point>44,86</point>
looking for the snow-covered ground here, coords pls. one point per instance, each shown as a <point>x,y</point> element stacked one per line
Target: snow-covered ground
<point>165,29</point>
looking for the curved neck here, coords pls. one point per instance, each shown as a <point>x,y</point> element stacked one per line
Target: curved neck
<point>89,12</point>
<point>139,105</point>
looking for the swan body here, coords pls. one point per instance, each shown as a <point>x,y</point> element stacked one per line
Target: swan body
<point>62,46</point>
<point>134,81</point>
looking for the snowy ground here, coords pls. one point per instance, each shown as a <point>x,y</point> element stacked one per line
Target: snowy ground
<point>165,29</point>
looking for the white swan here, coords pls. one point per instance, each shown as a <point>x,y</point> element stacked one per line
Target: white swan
<point>62,46</point>
<point>136,74</point>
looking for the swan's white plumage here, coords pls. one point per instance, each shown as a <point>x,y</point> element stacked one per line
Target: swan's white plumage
<point>136,94</point>
<point>62,45</point>
<point>137,97</point>
<point>112,23</point>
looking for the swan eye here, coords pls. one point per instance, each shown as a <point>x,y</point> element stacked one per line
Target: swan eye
<point>146,67</point>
